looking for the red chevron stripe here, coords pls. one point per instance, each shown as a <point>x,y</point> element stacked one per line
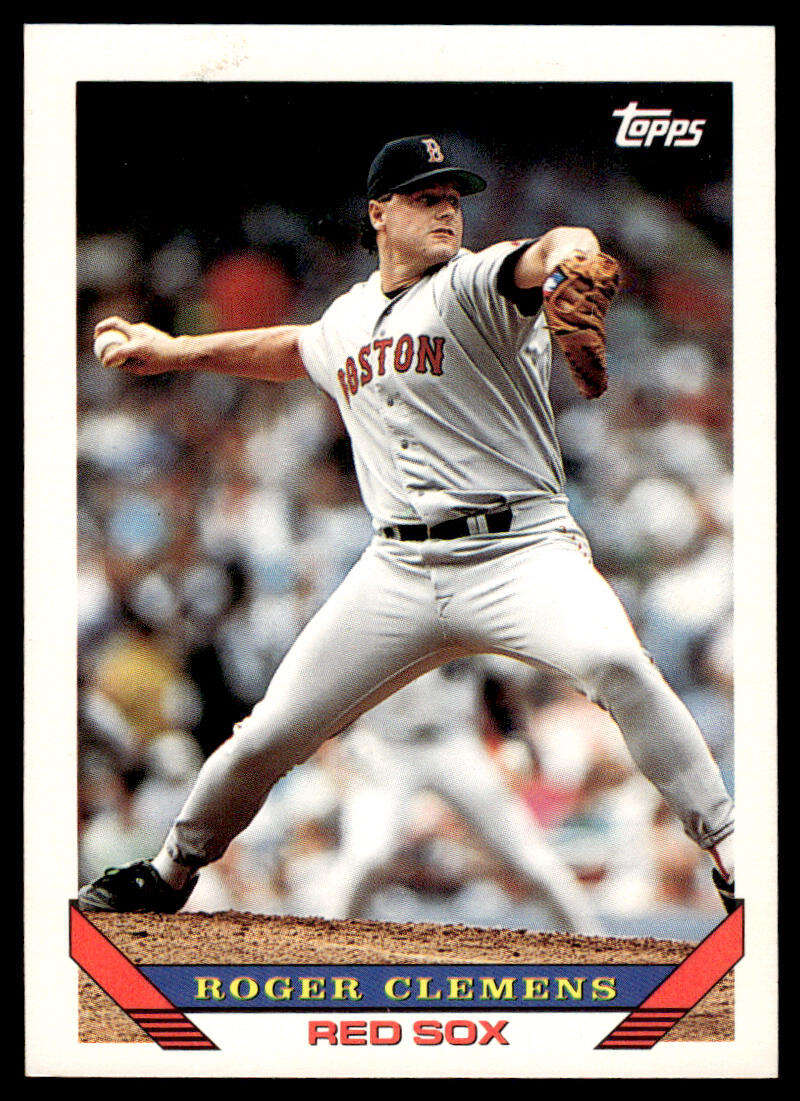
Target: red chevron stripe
<point>711,960</point>
<point>185,1045</point>
<point>700,972</point>
<point>155,1012</point>
<point>628,1044</point>
<point>655,1022</point>
<point>191,1039</point>
<point>173,1033</point>
<point>155,1018</point>
<point>641,1030</point>
<point>647,1024</point>
<point>177,1026</point>
<point>126,985</point>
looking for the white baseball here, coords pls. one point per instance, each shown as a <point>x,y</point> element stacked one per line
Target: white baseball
<point>106,340</point>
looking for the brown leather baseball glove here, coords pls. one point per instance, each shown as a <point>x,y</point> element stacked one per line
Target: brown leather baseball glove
<point>577,294</point>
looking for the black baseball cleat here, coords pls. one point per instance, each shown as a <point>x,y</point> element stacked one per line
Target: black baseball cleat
<point>725,890</point>
<point>133,889</point>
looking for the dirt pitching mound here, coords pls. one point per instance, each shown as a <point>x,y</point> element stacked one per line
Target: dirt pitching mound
<point>249,938</point>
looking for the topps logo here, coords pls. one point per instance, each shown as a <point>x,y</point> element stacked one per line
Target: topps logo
<point>642,125</point>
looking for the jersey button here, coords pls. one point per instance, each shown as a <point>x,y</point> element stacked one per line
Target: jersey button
<point>390,401</point>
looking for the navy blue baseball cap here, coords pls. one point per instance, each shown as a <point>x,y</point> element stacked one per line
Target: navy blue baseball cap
<point>409,163</point>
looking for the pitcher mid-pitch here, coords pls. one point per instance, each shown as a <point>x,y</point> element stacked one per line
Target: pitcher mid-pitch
<point>440,364</point>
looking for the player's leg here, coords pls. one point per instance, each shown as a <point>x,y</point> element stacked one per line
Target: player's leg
<point>548,604</point>
<point>507,828</point>
<point>376,632</point>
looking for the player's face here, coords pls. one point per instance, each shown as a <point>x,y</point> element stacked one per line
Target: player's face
<point>425,225</point>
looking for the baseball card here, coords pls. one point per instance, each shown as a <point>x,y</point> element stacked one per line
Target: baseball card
<point>400,551</point>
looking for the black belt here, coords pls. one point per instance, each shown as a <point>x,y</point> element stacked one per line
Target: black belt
<point>453,529</point>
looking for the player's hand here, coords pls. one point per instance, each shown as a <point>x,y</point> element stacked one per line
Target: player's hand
<point>569,243</point>
<point>146,351</point>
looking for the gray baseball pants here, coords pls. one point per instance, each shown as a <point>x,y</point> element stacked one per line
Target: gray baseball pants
<point>407,607</point>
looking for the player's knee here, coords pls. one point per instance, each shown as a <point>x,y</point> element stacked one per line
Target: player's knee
<point>621,680</point>
<point>268,743</point>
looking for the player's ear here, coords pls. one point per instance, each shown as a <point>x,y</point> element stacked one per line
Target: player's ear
<point>375,212</point>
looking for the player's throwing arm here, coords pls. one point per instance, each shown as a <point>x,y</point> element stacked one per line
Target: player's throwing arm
<point>270,354</point>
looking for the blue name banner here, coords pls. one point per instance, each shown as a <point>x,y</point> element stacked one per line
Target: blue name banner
<point>283,987</point>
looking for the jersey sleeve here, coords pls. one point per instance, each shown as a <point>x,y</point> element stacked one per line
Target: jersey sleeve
<point>483,289</point>
<point>528,300</point>
<point>315,353</point>
<point>311,347</point>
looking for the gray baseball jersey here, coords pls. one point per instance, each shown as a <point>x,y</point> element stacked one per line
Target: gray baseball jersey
<point>443,389</point>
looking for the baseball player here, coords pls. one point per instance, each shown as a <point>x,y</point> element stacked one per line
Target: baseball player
<point>425,737</point>
<point>440,364</point>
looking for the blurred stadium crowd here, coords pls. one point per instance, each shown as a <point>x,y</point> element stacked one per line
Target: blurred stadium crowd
<point>215,516</point>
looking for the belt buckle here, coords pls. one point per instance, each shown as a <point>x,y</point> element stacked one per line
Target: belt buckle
<point>477,524</point>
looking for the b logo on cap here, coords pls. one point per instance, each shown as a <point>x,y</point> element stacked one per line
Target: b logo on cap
<point>435,154</point>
